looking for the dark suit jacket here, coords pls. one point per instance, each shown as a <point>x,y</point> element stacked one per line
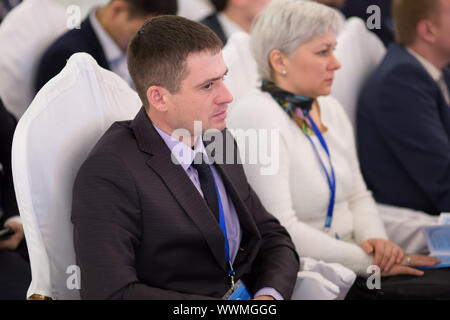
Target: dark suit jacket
<point>77,40</point>
<point>403,130</point>
<point>142,230</point>
<point>213,23</point>
<point>7,195</point>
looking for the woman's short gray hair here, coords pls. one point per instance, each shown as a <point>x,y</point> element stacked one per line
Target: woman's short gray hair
<point>287,24</point>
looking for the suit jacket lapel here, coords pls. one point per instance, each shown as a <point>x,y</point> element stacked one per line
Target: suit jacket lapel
<point>179,184</point>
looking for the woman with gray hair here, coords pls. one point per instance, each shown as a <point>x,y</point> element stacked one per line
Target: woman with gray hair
<point>318,192</point>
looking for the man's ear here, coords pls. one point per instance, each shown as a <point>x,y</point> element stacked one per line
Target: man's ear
<point>157,97</point>
<point>277,60</point>
<point>425,30</point>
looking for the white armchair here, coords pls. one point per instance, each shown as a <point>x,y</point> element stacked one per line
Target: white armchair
<point>27,31</point>
<point>53,137</point>
<point>359,51</point>
<point>242,69</point>
<point>318,280</point>
<point>25,34</point>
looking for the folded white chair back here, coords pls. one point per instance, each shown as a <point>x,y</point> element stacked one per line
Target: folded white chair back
<point>25,34</point>
<point>54,136</point>
<point>318,280</point>
<point>242,69</point>
<point>359,51</point>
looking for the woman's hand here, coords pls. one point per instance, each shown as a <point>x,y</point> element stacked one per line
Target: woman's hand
<point>14,240</point>
<point>386,253</point>
<point>411,260</point>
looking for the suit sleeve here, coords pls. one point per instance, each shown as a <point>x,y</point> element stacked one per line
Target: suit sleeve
<point>410,125</point>
<point>107,231</point>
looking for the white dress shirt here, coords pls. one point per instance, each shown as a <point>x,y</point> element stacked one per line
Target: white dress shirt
<point>434,73</point>
<point>117,58</point>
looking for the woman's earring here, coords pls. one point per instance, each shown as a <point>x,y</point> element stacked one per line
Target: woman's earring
<point>284,73</point>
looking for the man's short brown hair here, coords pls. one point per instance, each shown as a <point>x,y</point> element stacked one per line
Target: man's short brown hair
<point>408,13</point>
<point>158,52</point>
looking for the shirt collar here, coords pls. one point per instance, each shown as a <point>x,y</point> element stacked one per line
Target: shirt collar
<point>111,49</point>
<point>434,72</point>
<point>228,26</point>
<point>180,151</point>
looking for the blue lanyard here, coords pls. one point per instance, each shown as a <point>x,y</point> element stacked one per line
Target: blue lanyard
<point>331,180</point>
<point>224,230</point>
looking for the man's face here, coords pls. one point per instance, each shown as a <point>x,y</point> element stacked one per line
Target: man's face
<point>126,28</point>
<point>442,41</point>
<point>202,95</point>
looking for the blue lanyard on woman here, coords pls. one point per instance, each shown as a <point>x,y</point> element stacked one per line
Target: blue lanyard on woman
<point>223,226</point>
<point>331,179</point>
<point>290,103</point>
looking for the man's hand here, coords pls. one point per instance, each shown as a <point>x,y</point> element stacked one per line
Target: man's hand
<point>386,253</point>
<point>264,298</point>
<point>414,260</point>
<point>13,241</point>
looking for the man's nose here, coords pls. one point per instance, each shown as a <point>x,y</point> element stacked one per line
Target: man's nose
<point>225,94</point>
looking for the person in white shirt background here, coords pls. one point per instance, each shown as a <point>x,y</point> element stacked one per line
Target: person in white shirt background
<point>105,35</point>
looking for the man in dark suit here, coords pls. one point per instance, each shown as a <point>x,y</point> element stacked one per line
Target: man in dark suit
<point>232,16</point>
<point>403,117</point>
<point>15,274</point>
<point>152,223</point>
<point>105,35</point>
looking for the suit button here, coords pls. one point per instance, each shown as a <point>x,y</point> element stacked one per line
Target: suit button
<point>241,249</point>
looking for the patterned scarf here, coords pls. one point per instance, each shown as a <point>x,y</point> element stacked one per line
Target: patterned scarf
<point>296,106</point>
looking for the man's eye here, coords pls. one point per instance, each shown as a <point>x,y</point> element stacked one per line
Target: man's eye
<point>208,85</point>
<point>323,52</point>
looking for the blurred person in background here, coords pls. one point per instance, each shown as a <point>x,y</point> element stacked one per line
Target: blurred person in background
<point>105,35</point>
<point>232,16</point>
<point>403,115</point>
